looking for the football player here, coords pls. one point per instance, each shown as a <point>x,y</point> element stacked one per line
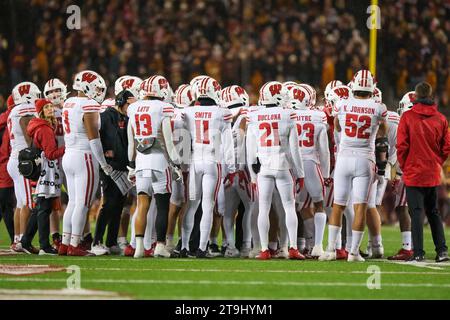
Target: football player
<point>210,128</point>
<point>313,142</point>
<point>361,123</point>
<point>24,95</point>
<point>84,154</point>
<point>274,160</point>
<point>151,147</point>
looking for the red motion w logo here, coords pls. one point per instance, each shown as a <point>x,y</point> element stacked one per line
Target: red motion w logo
<point>25,89</point>
<point>88,77</point>
<point>275,89</point>
<point>299,95</point>
<point>127,84</point>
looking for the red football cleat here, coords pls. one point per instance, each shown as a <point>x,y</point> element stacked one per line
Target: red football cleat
<point>78,252</point>
<point>149,253</point>
<point>264,255</point>
<point>341,254</point>
<point>62,251</point>
<point>129,251</point>
<point>294,254</point>
<point>307,254</point>
<point>402,255</point>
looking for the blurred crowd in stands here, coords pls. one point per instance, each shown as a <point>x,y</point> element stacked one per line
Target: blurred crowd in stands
<point>234,41</point>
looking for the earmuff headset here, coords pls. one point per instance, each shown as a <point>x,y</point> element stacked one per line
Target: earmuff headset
<point>122,98</point>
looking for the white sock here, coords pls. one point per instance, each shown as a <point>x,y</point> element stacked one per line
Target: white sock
<point>257,245</point>
<point>320,219</point>
<point>121,239</point>
<point>16,238</point>
<point>66,239</point>
<point>273,245</point>
<point>301,243</point>
<point>348,244</point>
<point>140,244</point>
<point>20,236</point>
<point>74,240</point>
<point>406,240</point>
<point>356,241</point>
<point>333,232</point>
<point>169,239</point>
<point>339,241</point>
<point>308,226</point>
<point>377,241</point>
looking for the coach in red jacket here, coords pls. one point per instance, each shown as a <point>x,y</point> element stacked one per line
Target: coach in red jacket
<point>423,144</point>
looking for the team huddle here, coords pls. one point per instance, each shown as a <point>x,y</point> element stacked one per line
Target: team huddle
<point>286,166</point>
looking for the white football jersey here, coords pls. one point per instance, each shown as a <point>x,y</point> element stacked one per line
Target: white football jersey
<point>313,137</point>
<point>59,131</point>
<point>16,135</point>
<point>210,130</point>
<point>393,119</point>
<point>239,140</point>
<point>359,120</point>
<point>269,129</point>
<point>146,117</point>
<point>75,135</point>
<point>177,125</point>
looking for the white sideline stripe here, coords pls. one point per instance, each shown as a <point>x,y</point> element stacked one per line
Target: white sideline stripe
<point>231,282</point>
<point>429,265</point>
<point>258,271</point>
<point>60,294</point>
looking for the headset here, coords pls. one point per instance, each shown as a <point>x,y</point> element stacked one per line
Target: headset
<point>122,98</point>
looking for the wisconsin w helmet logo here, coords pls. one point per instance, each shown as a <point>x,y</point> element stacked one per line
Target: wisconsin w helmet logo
<point>88,77</point>
<point>127,84</point>
<point>25,89</point>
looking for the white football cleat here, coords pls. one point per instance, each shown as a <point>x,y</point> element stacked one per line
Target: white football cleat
<point>377,252</point>
<point>317,251</point>
<point>99,250</point>
<point>231,253</point>
<point>283,253</point>
<point>355,258</point>
<point>254,253</point>
<point>161,251</point>
<point>328,256</point>
<point>245,252</point>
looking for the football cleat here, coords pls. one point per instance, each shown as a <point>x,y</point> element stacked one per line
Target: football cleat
<point>17,247</point>
<point>214,251</point>
<point>264,255</point>
<point>78,252</point>
<point>402,255</point>
<point>29,249</point>
<point>231,253</point>
<point>57,243</point>
<point>86,243</point>
<point>341,254</point>
<point>328,256</point>
<point>283,253</point>
<point>245,252</point>
<point>50,251</point>
<point>307,253</point>
<point>254,253</point>
<point>149,253</point>
<point>185,253</point>
<point>273,253</point>
<point>377,253</point>
<point>99,249</point>
<point>161,251</point>
<point>442,257</point>
<point>129,251</point>
<point>122,244</point>
<point>62,251</point>
<point>203,254</point>
<point>355,258</point>
<point>294,254</point>
<point>115,250</point>
<point>317,251</point>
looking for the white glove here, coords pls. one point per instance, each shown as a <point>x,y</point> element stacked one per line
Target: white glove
<point>131,175</point>
<point>107,169</point>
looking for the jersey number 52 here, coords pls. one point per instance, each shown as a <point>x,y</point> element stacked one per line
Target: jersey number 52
<point>356,126</point>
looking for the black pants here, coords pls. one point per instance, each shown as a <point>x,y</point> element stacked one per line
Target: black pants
<point>420,199</point>
<point>39,220</point>
<point>239,232</point>
<point>113,202</point>
<point>7,204</point>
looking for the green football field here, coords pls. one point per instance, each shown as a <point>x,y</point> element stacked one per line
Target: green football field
<point>126,278</point>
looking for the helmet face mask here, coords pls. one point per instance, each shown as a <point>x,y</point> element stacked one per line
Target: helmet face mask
<point>55,91</point>
<point>272,93</point>
<point>91,84</point>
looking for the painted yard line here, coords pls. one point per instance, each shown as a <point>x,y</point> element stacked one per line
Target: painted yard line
<point>429,265</point>
<point>60,294</point>
<point>258,271</point>
<point>231,282</point>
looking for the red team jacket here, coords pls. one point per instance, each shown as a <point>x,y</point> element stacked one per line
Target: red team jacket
<point>44,138</point>
<point>423,144</point>
<point>5,150</point>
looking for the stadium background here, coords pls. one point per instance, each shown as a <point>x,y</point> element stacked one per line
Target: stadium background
<point>234,41</point>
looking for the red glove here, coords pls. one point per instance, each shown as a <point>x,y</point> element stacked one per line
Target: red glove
<point>300,183</point>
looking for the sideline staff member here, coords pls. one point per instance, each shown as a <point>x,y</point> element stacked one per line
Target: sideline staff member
<point>113,134</point>
<point>423,144</point>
